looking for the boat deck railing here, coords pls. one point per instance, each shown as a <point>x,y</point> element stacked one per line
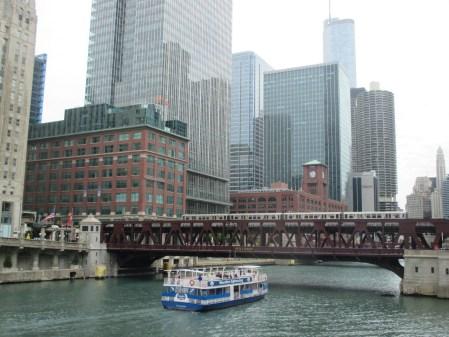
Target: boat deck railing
<point>203,282</point>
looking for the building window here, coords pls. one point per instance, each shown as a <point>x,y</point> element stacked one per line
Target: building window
<point>120,184</point>
<point>106,197</point>
<point>432,270</point>
<point>95,139</point>
<point>108,160</point>
<point>122,172</point>
<point>109,138</point>
<point>120,197</point>
<point>135,171</point>
<point>159,199</point>
<point>92,185</point>
<point>95,150</point>
<point>120,210</point>
<point>67,175</point>
<point>93,162</point>
<point>137,135</point>
<point>416,269</point>
<point>122,159</point>
<point>106,185</point>
<point>123,147</point>
<point>81,152</point>
<point>82,141</point>
<point>105,211</point>
<point>80,163</point>
<point>107,173</point>
<point>123,137</point>
<point>91,198</point>
<point>109,148</point>
<point>135,196</point>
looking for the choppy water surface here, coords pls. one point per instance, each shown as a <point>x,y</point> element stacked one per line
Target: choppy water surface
<point>303,301</point>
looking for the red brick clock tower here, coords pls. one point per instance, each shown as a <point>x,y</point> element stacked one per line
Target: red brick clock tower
<point>314,180</point>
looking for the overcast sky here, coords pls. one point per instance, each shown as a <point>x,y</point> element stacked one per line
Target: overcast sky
<point>403,44</point>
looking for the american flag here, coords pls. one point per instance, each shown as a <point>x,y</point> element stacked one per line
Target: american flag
<point>50,216</point>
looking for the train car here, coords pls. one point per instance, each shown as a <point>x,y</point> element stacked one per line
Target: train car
<point>298,216</point>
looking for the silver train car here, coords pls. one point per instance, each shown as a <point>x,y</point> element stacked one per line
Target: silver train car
<point>298,216</point>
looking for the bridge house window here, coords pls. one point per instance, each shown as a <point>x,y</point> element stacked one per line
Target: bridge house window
<point>432,270</point>
<point>447,271</point>
<point>416,269</point>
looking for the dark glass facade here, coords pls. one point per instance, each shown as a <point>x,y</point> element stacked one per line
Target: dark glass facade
<point>176,53</point>
<point>307,117</point>
<point>246,129</point>
<point>37,94</point>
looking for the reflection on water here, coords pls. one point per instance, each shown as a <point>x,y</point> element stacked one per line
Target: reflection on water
<point>317,300</point>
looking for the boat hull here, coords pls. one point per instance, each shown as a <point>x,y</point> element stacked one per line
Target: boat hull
<point>172,305</point>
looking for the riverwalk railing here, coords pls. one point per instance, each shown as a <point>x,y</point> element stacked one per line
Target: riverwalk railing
<point>43,244</point>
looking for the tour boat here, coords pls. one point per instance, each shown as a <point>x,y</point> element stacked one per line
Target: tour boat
<point>204,289</point>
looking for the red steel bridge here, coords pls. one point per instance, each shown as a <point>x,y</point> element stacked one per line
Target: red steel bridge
<point>380,241</point>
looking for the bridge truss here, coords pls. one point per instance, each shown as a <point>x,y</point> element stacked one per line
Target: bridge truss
<point>380,242</point>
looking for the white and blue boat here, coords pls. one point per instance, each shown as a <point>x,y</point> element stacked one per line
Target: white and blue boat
<point>205,289</point>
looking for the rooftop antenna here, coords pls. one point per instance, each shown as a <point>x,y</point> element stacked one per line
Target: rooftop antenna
<point>330,17</point>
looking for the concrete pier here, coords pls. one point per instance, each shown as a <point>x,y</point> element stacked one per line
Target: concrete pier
<point>426,273</point>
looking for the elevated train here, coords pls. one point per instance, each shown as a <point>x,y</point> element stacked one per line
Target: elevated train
<point>298,216</point>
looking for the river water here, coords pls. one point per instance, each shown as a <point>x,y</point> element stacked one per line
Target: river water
<point>318,300</point>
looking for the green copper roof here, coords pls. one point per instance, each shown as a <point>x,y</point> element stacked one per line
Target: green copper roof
<point>313,162</point>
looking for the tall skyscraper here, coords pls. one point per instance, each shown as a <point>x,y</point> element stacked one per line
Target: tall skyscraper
<point>246,129</point>
<point>176,53</point>
<point>437,202</point>
<point>374,140</point>
<point>419,202</point>
<point>339,46</point>
<point>441,168</point>
<point>17,41</point>
<point>37,94</point>
<point>445,197</point>
<point>307,117</point>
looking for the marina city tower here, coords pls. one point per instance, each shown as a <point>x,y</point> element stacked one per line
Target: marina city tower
<point>177,54</point>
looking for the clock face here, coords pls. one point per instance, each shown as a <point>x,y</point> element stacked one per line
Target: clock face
<point>312,174</point>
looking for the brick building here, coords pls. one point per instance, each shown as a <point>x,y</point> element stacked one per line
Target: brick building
<point>279,198</point>
<point>107,161</point>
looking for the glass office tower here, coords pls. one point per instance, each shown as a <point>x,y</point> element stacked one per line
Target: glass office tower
<point>175,53</point>
<point>246,129</point>
<point>339,46</point>
<point>307,117</point>
<point>37,94</point>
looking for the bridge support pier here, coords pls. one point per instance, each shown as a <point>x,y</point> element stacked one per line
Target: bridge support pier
<point>2,260</point>
<point>55,261</point>
<point>14,259</point>
<point>35,257</point>
<point>426,273</point>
